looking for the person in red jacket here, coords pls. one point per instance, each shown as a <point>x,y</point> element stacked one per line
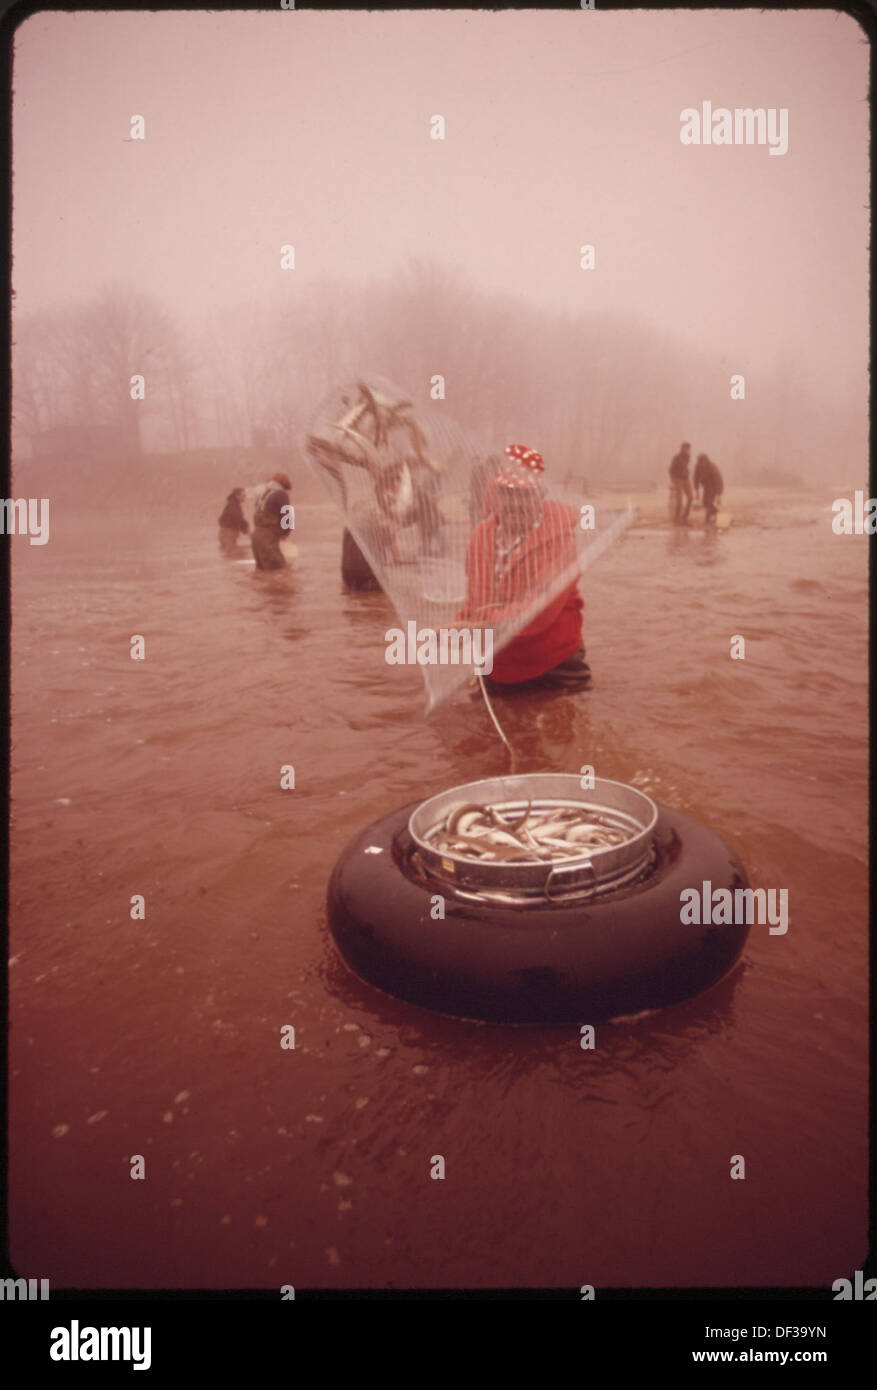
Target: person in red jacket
<point>525,543</point>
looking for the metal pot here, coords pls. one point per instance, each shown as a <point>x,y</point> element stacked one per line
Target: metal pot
<point>594,871</point>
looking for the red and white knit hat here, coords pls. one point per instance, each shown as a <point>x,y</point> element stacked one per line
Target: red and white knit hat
<point>530,465</point>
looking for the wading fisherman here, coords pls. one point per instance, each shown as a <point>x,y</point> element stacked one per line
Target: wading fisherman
<point>268,528</point>
<point>356,572</point>
<point>480,474</point>
<point>232,522</point>
<point>522,546</point>
<point>708,477</point>
<point>681,484</point>
<point>429,518</point>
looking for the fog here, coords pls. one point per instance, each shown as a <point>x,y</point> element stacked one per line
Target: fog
<point>457,257</point>
<point>235,237</point>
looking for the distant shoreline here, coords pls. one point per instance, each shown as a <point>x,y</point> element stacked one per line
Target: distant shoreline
<point>747,504</point>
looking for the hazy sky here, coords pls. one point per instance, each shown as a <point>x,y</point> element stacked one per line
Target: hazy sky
<point>562,128</point>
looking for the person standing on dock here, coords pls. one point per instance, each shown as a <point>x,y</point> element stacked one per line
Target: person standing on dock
<point>681,485</point>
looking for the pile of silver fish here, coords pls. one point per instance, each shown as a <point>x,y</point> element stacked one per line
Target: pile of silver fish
<point>505,834</point>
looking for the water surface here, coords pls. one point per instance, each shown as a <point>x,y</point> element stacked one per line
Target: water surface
<point>161,1037</point>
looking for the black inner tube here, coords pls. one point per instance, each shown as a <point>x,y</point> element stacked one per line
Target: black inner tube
<point>545,962</point>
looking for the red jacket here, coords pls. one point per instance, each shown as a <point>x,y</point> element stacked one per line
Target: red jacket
<point>492,601</point>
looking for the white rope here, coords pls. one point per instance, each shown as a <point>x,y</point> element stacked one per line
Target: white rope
<point>512,760</point>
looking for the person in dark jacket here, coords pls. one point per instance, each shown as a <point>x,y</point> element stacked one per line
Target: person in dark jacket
<point>268,523</point>
<point>429,518</point>
<point>356,572</point>
<point>232,522</point>
<point>681,484</point>
<point>708,478</point>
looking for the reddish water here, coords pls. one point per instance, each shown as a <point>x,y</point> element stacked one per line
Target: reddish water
<point>162,1037</point>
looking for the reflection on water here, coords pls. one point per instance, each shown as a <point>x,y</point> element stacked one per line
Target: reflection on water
<point>161,1036</point>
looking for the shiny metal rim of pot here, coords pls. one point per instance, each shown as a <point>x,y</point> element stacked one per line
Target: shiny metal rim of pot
<point>631,806</point>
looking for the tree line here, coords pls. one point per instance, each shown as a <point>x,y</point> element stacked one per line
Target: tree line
<point>602,396</point>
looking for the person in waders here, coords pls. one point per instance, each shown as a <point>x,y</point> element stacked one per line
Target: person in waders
<point>680,485</point>
<point>232,522</point>
<point>708,477</point>
<point>268,527</point>
<point>523,544</point>
<point>356,572</point>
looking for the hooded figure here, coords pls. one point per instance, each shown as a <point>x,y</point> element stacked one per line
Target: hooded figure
<point>268,528</point>
<point>520,548</point>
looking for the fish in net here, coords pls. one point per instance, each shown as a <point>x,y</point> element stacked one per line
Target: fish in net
<point>475,545</point>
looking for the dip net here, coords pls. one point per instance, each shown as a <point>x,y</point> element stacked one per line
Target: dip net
<point>474,547</point>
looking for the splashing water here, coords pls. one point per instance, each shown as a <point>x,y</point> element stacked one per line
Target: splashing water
<point>469,544</point>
